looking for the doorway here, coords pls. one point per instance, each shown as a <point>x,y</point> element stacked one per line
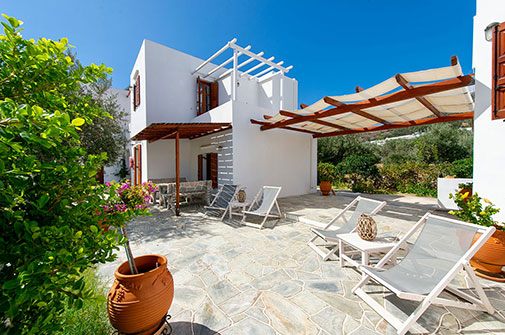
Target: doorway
<point>207,168</point>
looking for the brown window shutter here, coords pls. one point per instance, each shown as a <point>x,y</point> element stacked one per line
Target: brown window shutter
<point>134,96</point>
<point>137,91</point>
<point>137,165</point>
<point>498,86</point>
<point>212,168</point>
<point>200,167</point>
<point>214,94</point>
<point>198,96</point>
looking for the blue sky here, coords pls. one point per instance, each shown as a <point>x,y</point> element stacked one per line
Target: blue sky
<point>333,45</point>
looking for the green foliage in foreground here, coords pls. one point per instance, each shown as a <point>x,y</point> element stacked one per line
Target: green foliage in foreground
<point>49,228</point>
<point>91,318</point>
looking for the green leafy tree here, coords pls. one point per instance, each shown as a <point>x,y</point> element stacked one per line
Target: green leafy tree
<point>444,143</point>
<point>106,132</point>
<point>49,223</point>
<point>335,149</point>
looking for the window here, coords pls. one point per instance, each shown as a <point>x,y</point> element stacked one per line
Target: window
<point>206,96</point>
<point>498,86</point>
<point>136,93</point>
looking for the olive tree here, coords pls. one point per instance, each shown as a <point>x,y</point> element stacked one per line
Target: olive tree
<point>49,218</point>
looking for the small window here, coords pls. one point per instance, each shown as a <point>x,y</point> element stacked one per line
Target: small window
<point>206,96</point>
<point>136,93</point>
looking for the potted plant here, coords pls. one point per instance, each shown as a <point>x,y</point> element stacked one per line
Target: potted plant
<point>326,176</point>
<point>490,259</point>
<point>143,290</point>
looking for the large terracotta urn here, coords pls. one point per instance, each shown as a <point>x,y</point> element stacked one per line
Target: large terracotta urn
<point>138,304</point>
<point>490,259</point>
<point>325,187</point>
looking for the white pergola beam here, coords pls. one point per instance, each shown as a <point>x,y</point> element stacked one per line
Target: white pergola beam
<point>239,66</point>
<point>257,75</point>
<point>256,67</point>
<point>261,59</point>
<point>229,44</point>
<point>224,63</point>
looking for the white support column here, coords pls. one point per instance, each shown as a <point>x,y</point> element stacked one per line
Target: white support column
<point>234,76</point>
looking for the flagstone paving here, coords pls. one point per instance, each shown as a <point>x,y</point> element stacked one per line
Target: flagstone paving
<point>231,279</point>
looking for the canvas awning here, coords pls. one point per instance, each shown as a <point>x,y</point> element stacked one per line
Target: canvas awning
<point>407,99</point>
<point>166,131</point>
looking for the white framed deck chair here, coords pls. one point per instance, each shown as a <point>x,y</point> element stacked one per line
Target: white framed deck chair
<point>221,202</point>
<point>442,248</point>
<point>262,205</point>
<point>330,236</point>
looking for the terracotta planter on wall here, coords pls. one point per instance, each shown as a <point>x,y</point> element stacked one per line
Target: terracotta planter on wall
<point>490,259</point>
<point>137,304</point>
<point>325,187</point>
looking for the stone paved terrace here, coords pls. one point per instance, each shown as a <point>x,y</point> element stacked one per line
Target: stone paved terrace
<point>240,280</point>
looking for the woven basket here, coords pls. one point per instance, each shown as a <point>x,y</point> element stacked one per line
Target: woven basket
<point>366,227</point>
<point>241,196</point>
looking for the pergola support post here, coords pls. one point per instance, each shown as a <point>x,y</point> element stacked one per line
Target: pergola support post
<point>177,183</point>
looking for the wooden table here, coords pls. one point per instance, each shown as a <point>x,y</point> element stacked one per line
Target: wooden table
<point>381,244</point>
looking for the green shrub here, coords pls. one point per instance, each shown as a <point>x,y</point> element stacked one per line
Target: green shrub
<point>326,172</point>
<point>91,318</point>
<point>49,226</point>
<point>462,168</point>
<point>335,149</point>
<point>411,177</point>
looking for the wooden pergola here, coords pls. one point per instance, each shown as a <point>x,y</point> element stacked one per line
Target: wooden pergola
<point>405,100</point>
<point>167,131</point>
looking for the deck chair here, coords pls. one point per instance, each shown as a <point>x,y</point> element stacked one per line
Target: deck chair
<point>442,248</point>
<point>262,205</point>
<point>330,237</point>
<point>221,201</point>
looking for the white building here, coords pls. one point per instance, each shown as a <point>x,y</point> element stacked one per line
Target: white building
<point>489,133</point>
<point>172,91</point>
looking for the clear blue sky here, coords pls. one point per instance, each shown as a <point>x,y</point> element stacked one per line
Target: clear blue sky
<point>333,45</point>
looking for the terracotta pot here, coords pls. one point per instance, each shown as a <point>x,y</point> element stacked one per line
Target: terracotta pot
<point>325,187</point>
<point>491,257</point>
<point>138,303</point>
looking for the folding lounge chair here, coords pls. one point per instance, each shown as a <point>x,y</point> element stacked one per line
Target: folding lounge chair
<point>442,248</point>
<point>262,206</point>
<point>222,200</point>
<point>364,206</point>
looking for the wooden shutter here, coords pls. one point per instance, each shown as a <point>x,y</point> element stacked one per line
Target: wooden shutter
<point>214,95</point>
<point>498,87</point>
<point>200,167</point>
<point>137,91</point>
<point>199,99</point>
<point>212,168</point>
<point>137,165</point>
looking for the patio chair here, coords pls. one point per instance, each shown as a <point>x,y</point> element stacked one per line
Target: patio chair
<point>330,236</point>
<point>262,205</point>
<point>443,248</point>
<point>221,201</point>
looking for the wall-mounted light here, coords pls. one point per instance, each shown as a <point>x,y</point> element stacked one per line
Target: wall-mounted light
<point>488,32</point>
<point>219,148</point>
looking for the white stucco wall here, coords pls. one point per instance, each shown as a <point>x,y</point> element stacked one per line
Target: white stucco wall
<point>138,120</point>
<point>274,157</point>
<point>489,135</point>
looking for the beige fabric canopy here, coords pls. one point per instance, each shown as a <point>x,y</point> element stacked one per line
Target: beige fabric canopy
<point>429,96</point>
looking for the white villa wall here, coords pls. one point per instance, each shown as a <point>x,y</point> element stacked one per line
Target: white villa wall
<point>161,159</point>
<point>489,135</point>
<point>168,94</point>
<point>138,117</point>
<point>274,157</point>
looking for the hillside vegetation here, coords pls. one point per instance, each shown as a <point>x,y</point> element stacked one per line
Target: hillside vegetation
<point>406,165</point>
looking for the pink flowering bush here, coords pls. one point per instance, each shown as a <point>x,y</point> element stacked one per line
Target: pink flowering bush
<point>125,202</point>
